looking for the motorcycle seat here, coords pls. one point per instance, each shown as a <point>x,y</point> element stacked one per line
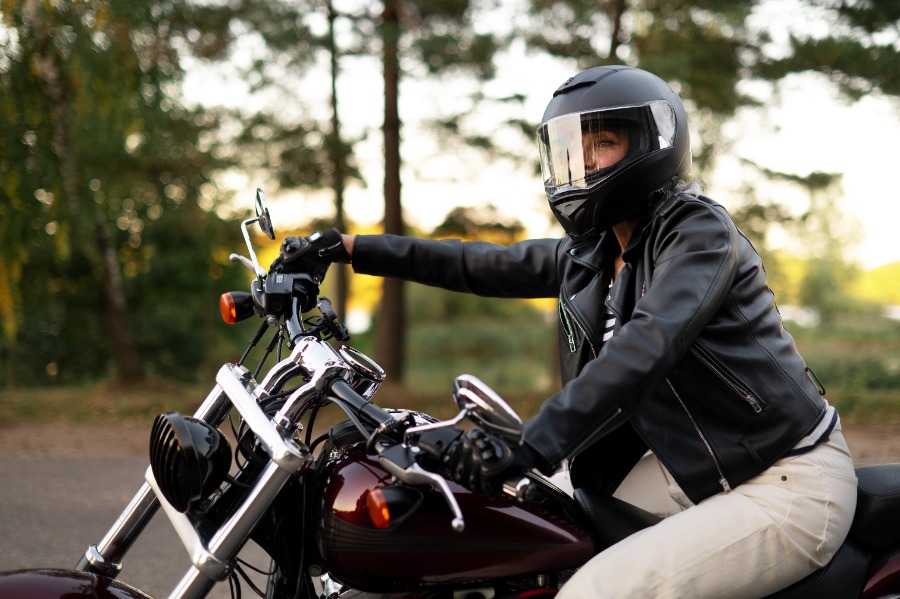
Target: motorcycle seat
<point>611,519</point>
<point>876,524</point>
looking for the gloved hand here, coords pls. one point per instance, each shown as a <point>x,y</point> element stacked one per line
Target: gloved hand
<point>311,255</point>
<point>482,462</point>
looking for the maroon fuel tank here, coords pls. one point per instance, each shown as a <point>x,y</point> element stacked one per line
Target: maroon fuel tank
<point>502,538</point>
<point>63,584</point>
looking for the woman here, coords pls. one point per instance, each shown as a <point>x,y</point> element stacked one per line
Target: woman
<point>683,394</point>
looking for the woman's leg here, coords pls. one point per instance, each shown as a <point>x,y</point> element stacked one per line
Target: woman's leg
<point>763,536</point>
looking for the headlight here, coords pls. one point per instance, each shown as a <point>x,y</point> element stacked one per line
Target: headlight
<point>189,458</point>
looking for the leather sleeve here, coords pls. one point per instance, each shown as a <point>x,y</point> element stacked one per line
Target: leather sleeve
<point>527,269</point>
<point>693,260</point>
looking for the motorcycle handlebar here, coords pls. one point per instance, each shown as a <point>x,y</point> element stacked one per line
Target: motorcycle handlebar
<point>362,406</point>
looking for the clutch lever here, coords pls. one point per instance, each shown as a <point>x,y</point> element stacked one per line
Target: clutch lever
<point>243,260</point>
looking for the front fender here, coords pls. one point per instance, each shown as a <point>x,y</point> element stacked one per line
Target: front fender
<point>63,584</point>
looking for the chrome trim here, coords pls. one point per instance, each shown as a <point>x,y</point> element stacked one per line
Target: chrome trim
<point>242,394</point>
<point>101,564</point>
<point>202,559</point>
<point>230,537</point>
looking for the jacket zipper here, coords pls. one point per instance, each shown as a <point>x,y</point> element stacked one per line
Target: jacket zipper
<point>722,480</point>
<point>748,397</point>
<point>567,321</point>
<point>567,327</point>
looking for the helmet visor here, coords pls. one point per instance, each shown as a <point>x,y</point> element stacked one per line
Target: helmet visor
<point>581,149</point>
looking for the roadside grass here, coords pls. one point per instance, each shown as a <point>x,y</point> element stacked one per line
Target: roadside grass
<point>858,363</point>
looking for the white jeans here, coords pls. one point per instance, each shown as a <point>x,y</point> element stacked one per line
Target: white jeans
<point>761,537</point>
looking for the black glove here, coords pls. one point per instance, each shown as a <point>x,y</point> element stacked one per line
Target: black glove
<point>482,462</point>
<point>311,255</point>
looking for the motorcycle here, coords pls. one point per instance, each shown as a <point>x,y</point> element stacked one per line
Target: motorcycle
<point>365,510</point>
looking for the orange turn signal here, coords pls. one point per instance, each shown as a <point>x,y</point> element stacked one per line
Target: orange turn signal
<point>236,306</point>
<point>378,508</point>
<point>227,308</point>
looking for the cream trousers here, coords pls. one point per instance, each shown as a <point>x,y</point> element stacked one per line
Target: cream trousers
<point>763,536</point>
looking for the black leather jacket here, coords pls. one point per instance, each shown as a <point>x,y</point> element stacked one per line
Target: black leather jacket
<point>700,368</point>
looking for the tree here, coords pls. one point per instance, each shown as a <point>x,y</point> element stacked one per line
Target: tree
<point>437,37</point>
<point>39,33</point>
<point>859,55</point>
<point>95,151</point>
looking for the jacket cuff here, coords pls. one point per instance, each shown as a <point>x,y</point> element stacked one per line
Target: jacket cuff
<point>540,461</point>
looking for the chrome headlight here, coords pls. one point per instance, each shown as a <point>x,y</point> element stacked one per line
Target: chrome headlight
<point>189,459</point>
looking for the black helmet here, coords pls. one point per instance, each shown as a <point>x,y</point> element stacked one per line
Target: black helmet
<point>635,117</point>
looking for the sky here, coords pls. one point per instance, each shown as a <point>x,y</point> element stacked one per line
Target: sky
<point>807,128</point>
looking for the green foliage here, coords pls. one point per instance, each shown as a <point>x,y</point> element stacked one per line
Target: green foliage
<point>509,344</point>
<point>174,302</point>
<point>856,360</point>
<point>96,153</point>
<point>859,54</point>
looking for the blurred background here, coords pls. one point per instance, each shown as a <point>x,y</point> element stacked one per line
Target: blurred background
<point>133,134</point>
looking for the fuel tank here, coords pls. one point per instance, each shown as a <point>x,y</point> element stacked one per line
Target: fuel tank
<point>502,538</point>
<point>63,584</point>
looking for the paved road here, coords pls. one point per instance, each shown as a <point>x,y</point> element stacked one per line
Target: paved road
<point>53,508</point>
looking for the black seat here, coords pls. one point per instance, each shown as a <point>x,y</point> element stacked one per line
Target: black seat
<point>876,525</point>
<point>842,578</point>
<point>612,519</point>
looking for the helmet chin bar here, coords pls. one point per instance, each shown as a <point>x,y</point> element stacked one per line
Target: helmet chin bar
<point>587,214</point>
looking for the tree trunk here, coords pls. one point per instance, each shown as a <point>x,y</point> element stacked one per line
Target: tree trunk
<point>619,7</point>
<point>104,259</point>
<point>390,333</point>
<point>125,354</point>
<point>339,164</point>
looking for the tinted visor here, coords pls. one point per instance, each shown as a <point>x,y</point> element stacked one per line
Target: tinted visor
<point>579,150</point>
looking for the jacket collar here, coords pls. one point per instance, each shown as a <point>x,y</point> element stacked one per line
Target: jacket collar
<point>594,253</point>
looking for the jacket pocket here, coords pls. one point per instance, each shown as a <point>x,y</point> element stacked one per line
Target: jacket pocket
<point>713,365</point>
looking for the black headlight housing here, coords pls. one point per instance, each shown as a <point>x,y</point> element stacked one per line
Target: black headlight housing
<point>189,458</point>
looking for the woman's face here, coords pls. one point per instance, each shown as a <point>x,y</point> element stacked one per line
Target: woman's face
<point>603,148</point>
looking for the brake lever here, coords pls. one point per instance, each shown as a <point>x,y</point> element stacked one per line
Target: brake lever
<point>400,462</point>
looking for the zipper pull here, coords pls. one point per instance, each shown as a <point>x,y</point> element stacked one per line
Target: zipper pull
<point>567,327</point>
<point>725,486</point>
<point>753,403</point>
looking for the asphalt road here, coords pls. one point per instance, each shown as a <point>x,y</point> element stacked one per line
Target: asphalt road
<point>53,508</point>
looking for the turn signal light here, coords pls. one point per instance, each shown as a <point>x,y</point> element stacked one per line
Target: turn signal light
<point>379,511</point>
<point>391,505</point>
<point>235,306</point>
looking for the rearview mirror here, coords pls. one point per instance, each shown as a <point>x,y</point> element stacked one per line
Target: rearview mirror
<point>262,214</point>
<point>487,409</point>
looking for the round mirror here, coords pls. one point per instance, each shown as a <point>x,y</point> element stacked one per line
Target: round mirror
<point>487,409</point>
<point>262,213</point>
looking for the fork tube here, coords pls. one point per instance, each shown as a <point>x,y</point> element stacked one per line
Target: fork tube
<point>106,556</point>
<point>235,531</point>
